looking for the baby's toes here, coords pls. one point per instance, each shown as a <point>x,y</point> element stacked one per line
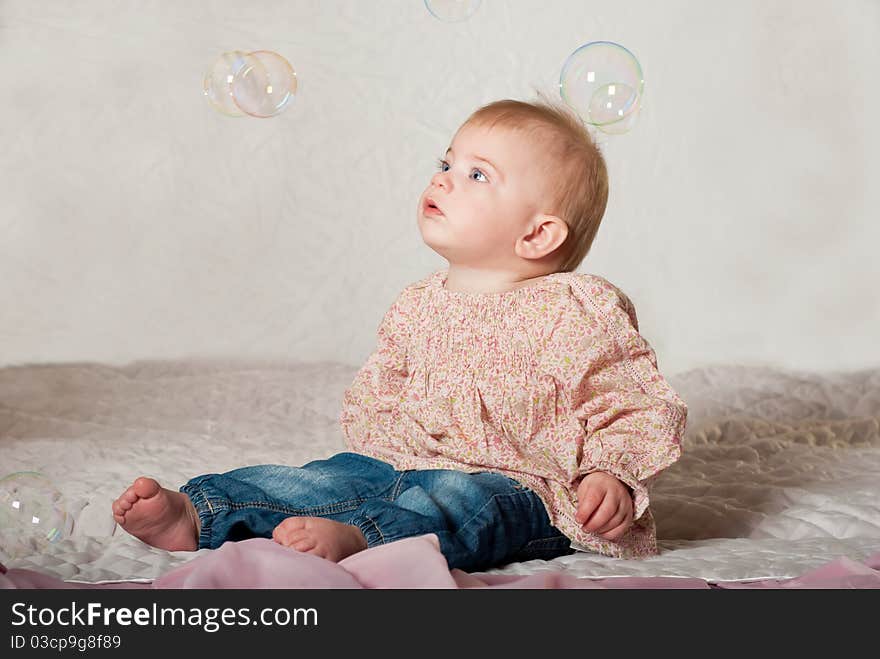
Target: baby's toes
<point>120,507</point>
<point>287,526</point>
<point>129,496</point>
<point>298,539</point>
<point>284,532</point>
<point>292,523</point>
<point>304,544</point>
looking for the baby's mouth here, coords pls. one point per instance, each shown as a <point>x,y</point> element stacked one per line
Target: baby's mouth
<point>430,208</point>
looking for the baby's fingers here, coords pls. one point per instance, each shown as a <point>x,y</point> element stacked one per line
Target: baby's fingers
<point>615,520</point>
<point>619,525</point>
<point>603,514</point>
<point>588,504</point>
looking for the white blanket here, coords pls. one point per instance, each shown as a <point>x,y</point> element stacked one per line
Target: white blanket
<point>780,473</point>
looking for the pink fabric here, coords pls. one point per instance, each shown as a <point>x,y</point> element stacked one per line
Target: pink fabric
<point>841,573</point>
<point>544,383</point>
<point>410,563</point>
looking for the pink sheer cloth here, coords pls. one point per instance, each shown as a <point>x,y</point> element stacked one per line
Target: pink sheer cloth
<point>412,563</point>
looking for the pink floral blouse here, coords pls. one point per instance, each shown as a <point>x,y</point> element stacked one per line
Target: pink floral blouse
<point>544,383</point>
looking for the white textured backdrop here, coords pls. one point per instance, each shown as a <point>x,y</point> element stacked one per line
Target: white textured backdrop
<point>138,223</point>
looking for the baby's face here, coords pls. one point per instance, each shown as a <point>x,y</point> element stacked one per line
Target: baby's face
<point>491,184</point>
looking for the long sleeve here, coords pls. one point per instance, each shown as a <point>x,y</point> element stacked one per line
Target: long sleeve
<point>633,420</point>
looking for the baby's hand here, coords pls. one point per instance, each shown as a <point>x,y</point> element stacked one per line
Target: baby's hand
<point>605,506</point>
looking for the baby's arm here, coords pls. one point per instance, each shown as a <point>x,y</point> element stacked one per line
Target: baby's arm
<point>632,419</point>
<point>604,506</point>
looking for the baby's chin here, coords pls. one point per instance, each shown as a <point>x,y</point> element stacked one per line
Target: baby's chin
<point>436,246</point>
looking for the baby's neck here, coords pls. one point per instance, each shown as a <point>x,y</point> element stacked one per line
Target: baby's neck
<point>469,280</point>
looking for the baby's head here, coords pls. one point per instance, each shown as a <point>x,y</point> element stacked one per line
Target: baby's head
<point>522,189</point>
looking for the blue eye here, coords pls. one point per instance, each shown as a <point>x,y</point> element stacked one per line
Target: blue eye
<point>444,166</point>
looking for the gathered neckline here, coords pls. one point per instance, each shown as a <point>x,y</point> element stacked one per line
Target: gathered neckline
<point>439,282</point>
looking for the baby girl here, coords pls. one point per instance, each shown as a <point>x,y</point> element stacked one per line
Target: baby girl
<point>511,406</point>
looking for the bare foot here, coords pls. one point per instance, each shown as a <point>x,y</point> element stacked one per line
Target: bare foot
<point>321,537</point>
<point>158,516</point>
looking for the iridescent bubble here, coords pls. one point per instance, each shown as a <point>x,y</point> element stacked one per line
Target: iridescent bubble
<point>625,124</point>
<point>219,78</point>
<point>611,103</point>
<point>264,85</point>
<point>452,11</point>
<point>602,81</point>
<point>33,514</point>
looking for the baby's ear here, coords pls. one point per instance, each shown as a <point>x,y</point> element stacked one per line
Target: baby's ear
<point>547,233</point>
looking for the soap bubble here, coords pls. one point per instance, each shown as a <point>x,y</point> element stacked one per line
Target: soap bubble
<point>260,83</point>
<point>625,124</point>
<point>602,81</point>
<point>452,10</point>
<point>264,85</point>
<point>33,514</point>
<point>612,102</point>
<point>218,81</point>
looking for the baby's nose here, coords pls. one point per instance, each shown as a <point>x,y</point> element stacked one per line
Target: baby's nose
<point>441,180</point>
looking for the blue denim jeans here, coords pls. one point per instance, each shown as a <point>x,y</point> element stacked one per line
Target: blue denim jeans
<point>482,519</point>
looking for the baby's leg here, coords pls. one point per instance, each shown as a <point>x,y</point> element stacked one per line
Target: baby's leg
<point>252,502</point>
<point>160,517</point>
<point>482,520</point>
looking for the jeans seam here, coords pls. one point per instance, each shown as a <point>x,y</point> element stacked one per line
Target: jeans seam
<point>317,511</point>
<point>367,525</point>
<point>206,519</point>
<point>397,487</point>
<point>373,527</point>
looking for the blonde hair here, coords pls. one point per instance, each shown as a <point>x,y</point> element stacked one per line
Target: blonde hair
<point>580,192</point>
